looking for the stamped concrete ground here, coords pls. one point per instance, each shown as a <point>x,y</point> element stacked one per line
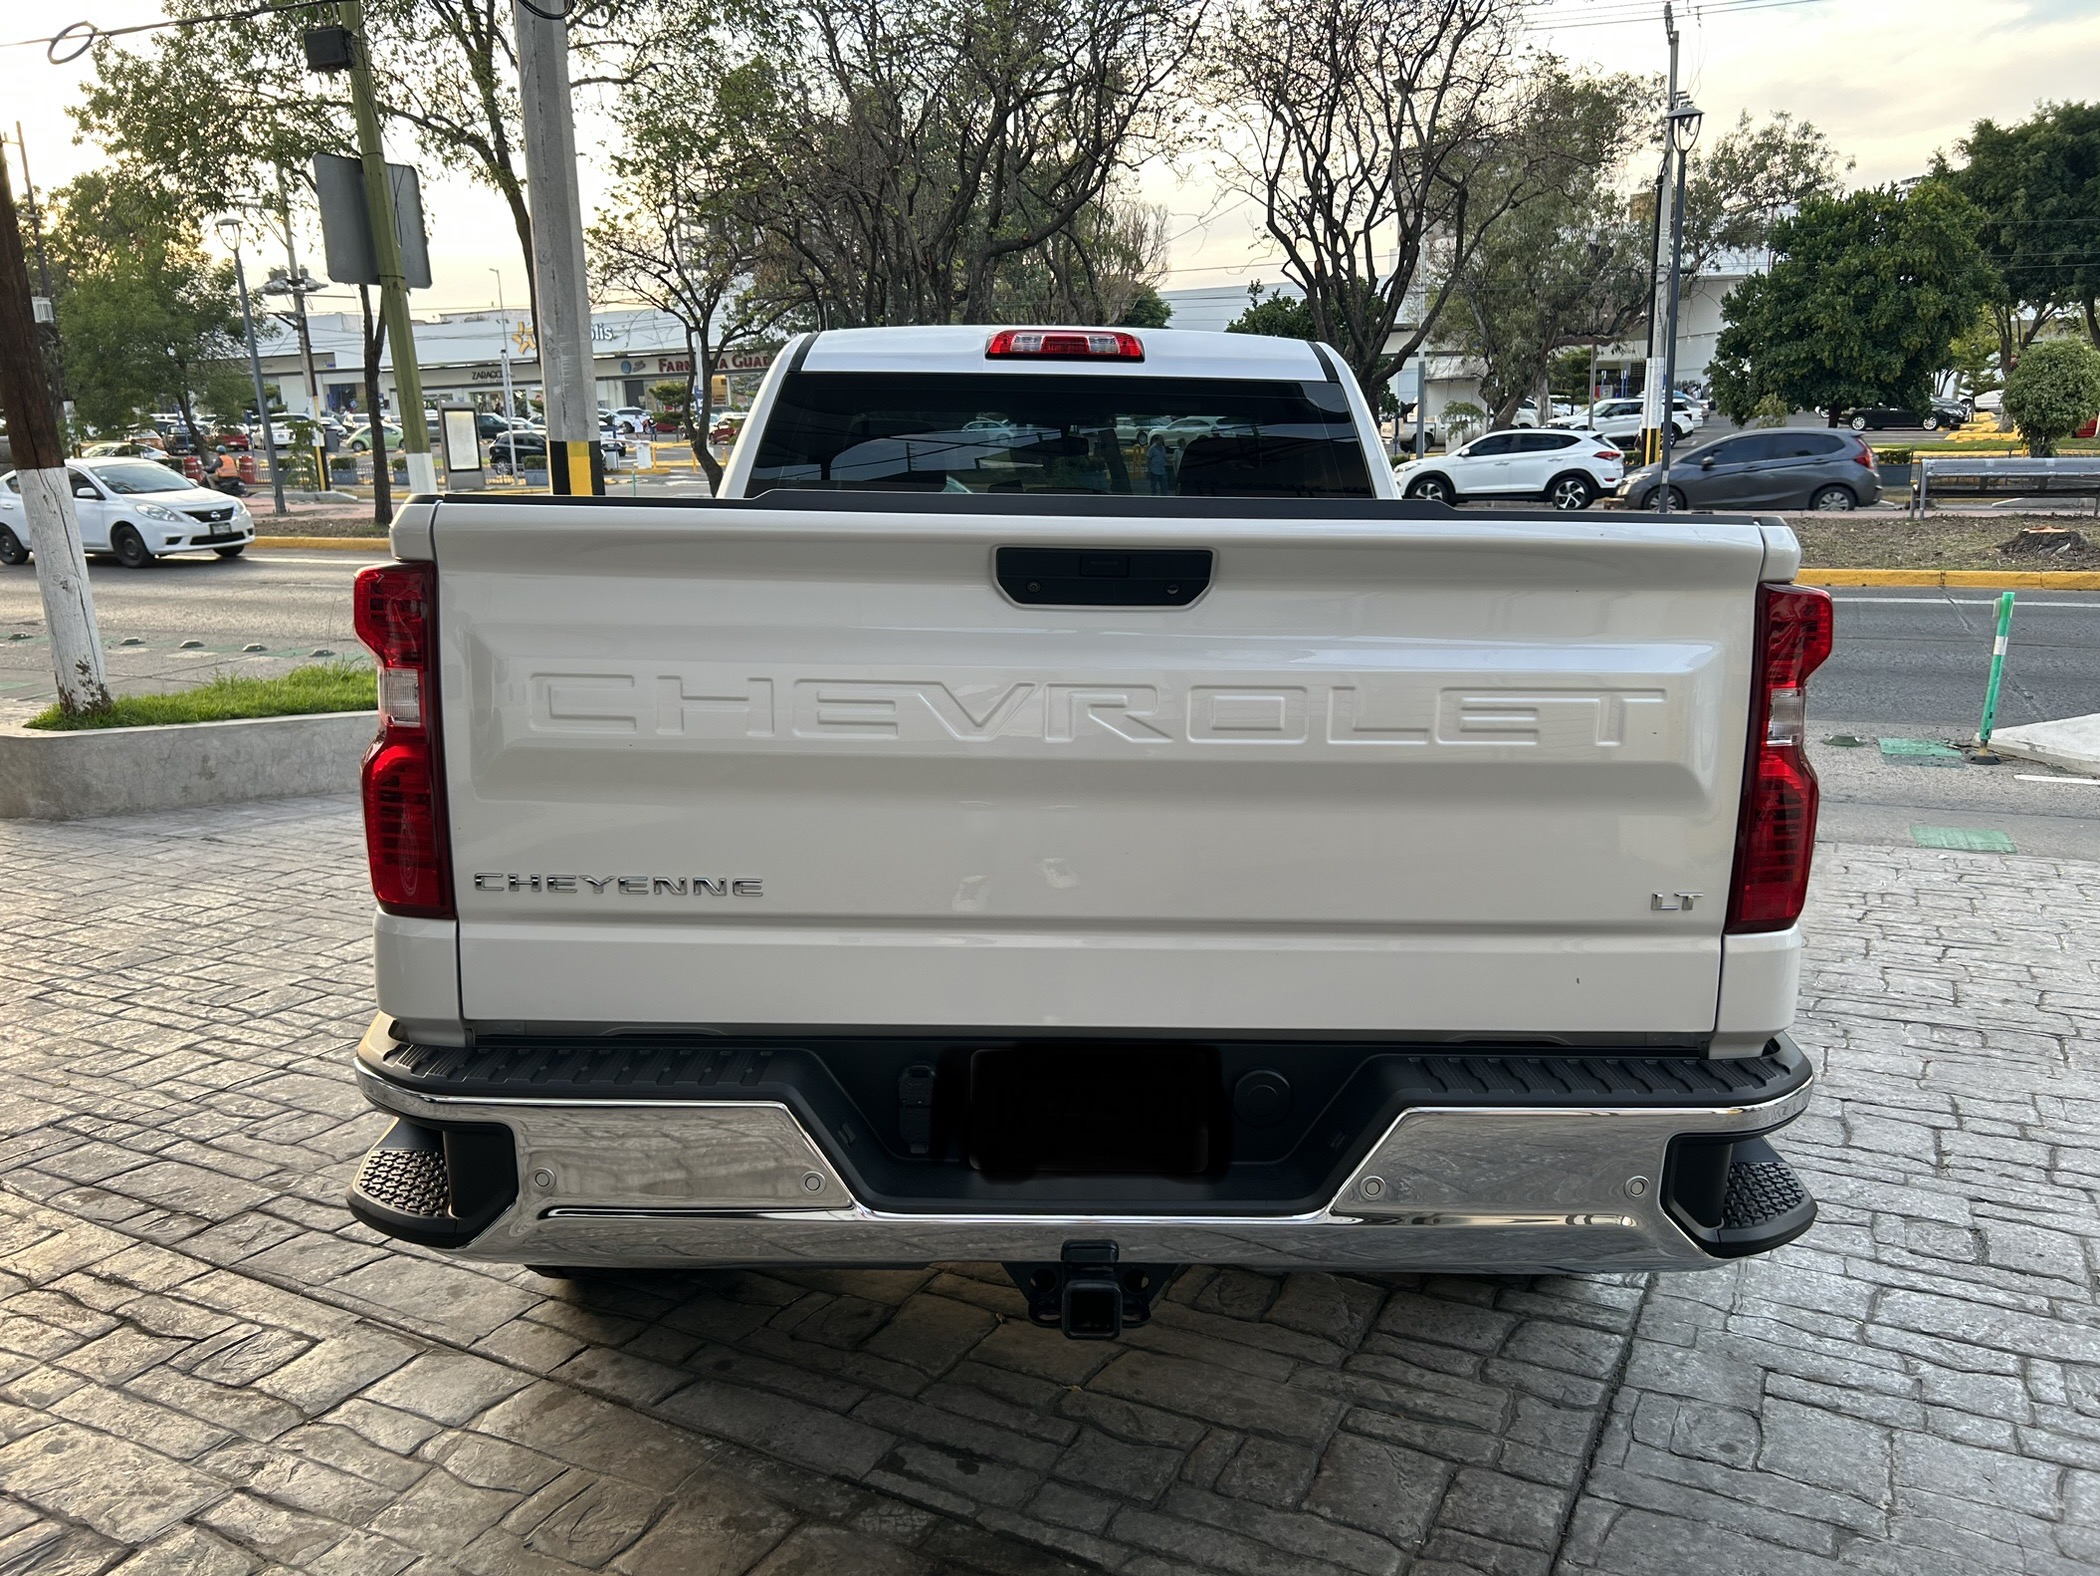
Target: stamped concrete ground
<point>207,1368</point>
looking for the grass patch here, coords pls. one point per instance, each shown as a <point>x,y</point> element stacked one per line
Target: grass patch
<point>1872,540</point>
<point>331,686</point>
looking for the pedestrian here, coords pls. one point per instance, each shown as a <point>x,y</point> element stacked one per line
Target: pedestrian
<point>1156,464</point>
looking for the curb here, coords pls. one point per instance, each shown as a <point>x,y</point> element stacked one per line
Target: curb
<point>178,766</point>
<point>1985,579</point>
<point>341,544</point>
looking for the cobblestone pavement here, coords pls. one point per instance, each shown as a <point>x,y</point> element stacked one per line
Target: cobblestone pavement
<point>205,1367</point>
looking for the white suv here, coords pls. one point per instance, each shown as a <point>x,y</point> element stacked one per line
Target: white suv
<point>1570,470</point>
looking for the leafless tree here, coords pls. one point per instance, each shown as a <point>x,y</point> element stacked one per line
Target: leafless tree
<point>1383,139</point>
<point>679,234</point>
<point>927,151</point>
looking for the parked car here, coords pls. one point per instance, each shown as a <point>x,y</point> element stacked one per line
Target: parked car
<point>727,426</point>
<point>530,450</point>
<point>1527,414</point>
<point>1620,420</point>
<point>130,449</point>
<point>138,510</point>
<point>630,419</point>
<point>1784,468</point>
<point>359,438</point>
<point>1939,413</point>
<point>976,869</point>
<point>1570,470</point>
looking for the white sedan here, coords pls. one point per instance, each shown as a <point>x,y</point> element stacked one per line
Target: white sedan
<point>137,510</point>
<point>1569,470</point>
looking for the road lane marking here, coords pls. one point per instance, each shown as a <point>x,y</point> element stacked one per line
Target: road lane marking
<point>1950,601</point>
<point>2044,777</point>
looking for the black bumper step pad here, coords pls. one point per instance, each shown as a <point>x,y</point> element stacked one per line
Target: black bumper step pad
<point>440,1187</point>
<point>1735,1197</point>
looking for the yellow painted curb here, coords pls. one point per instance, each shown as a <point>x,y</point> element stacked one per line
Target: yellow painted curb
<point>1987,579</point>
<point>341,544</point>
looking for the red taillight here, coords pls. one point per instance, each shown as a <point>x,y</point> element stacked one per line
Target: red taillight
<point>405,834</point>
<point>1865,456</point>
<point>1066,344</point>
<point>1776,834</point>
<point>1608,454</point>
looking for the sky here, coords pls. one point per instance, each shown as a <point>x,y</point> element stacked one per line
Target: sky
<point>1890,81</point>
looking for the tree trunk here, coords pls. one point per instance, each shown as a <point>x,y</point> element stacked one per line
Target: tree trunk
<point>702,362</point>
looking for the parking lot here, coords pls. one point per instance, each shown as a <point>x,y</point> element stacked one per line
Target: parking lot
<point>205,1362</point>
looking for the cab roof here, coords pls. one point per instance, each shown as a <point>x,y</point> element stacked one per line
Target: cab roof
<point>1169,353</point>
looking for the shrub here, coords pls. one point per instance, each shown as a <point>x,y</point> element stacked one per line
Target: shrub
<point>1770,411</point>
<point>2053,391</point>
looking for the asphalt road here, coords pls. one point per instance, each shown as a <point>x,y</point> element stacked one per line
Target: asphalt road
<point>1920,659</point>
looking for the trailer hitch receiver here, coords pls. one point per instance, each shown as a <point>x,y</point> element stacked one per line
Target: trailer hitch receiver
<point>1088,1293</point>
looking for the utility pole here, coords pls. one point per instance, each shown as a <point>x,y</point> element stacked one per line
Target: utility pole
<point>1655,398</point>
<point>45,484</point>
<point>1681,128</point>
<point>230,233</point>
<point>574,462</point>
<point>386,248</point>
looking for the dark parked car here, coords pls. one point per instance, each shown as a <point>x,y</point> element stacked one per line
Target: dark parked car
<point>531,450</point>
<point>1940,413</point>
<point>1786,468</point>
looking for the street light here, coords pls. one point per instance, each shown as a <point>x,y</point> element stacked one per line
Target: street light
<point>230,233</point>
<point>1683,123</point>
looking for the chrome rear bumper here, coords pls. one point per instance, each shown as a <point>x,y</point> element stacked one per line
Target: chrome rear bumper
<point>621,1182</point>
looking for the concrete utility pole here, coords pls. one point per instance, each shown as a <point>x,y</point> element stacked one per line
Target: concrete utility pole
<point>230,233</point>
<point>1655,397</point>
<point>574,463</point>
<point>46,487</point>
<point>386,248</point>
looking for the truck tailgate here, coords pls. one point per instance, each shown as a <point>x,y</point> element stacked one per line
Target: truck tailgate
<point>751,765</point>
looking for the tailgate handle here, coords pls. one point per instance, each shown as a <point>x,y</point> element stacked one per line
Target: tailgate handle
<point>1103,576</point>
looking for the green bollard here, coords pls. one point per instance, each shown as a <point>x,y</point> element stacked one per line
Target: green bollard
<point>1990,694</point>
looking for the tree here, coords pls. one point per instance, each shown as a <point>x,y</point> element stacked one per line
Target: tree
<point>1750,178</point>
<point>2036,190</point>
<point>1861,306</point>
<point>145,315</point>
<point>1147,309</point>
<point>1274,313</point>
<point>2053,392</point>
<point>1569,267</point>
<point>958,160</point>
<point>217,110</point>
<point>1382,142</point>
<point>679,235</point>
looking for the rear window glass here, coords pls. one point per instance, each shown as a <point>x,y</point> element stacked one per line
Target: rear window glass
<point>1046,433</point>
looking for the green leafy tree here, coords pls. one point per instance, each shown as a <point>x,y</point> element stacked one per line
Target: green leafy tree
<point>1862,304</point>
<point>220,109</point>
<point>145,316</point>
<point>2035,187</point>
<point>1147,309</point>
<point>2052,392</point>
<point>1276,314</point>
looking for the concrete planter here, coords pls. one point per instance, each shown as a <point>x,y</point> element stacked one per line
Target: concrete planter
<point>118,771</point>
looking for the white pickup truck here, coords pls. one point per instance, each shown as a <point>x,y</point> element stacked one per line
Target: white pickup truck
<point>1058,806</point>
